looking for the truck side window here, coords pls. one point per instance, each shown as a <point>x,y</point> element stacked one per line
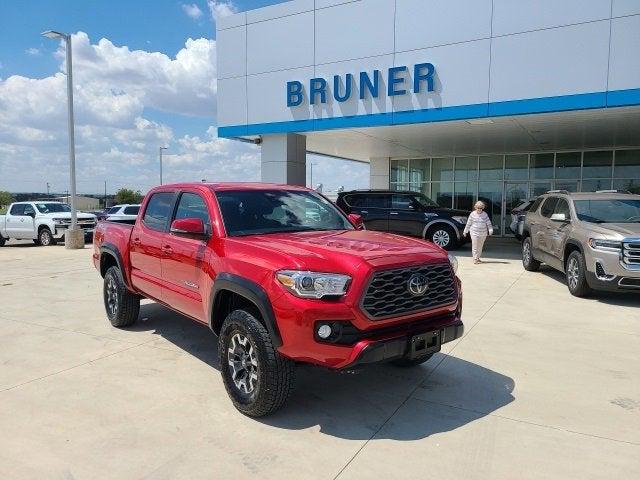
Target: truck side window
<point>563,207</point>
<point>131,210</point>
<point>536,204</point>
<point>158,211</point>
<point>191,205</point>
<point>548,206</point>
<point>29,210</point>
<point>17,209</point>
<point>403,202</point>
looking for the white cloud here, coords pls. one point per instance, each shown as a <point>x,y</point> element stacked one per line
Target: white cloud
<point>221,8</point>
<point>32,51</point>
<point>192,10</point>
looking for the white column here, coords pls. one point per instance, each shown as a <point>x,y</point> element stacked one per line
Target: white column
<point>379,173</point>
<point>284,159</point>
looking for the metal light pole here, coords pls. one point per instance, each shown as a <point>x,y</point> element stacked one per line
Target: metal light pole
<point>74,238</point>
<point>160,149</point>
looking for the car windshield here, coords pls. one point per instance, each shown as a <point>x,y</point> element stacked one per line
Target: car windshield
<point>53,207</point>
<point>425,201</point>
<point>608,211</point>
<point>251,212</point>
<point>113,210</point>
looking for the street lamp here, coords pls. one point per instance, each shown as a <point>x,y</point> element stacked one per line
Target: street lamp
<point>74,238</point>
<point>160,149</point>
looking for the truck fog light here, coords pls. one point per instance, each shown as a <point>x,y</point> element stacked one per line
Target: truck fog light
<point>324,331</point>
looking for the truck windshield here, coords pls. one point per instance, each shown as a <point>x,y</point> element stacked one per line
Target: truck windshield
<point>608,211</point>
<point>53,207</point>
<point>250,212</point>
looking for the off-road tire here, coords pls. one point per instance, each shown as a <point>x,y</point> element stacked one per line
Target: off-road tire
<point>440,231</point>
<point>275,373</point>
<point>576,273</point>
<point>529,263</point>
<point>45,237</point>
<point>127,304</point>
<point>407,363</point>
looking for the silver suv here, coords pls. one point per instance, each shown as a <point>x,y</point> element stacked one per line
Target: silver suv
<point>594,238</point>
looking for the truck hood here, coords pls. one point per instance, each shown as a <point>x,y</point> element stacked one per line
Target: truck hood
<point>344,251</point>
<point>67,215</point>
<point>623,229</point>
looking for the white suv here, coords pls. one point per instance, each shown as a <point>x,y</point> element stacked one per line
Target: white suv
<point>123,212</point>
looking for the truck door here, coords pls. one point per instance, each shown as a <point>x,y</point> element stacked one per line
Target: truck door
<point>539,230</point>
<point>406,217</point>
<point>184,260</point>
<point>558,231</point>
<point>145,250</point>
<point>19,221</point>
<point>373,208</point>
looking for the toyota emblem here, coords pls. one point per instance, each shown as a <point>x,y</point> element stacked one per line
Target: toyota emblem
<point>418,284</point>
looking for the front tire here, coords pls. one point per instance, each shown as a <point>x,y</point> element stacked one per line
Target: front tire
<point>2,241</point>
<point>121,305</point>
<point>413,362</point>
<point>576,273</point>
<point>443,236</point>
<point>45,238</point>
<point>257,378</point>
<point>529,263</point>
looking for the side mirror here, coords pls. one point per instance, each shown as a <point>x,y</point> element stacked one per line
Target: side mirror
<point>559,217</point>
<point>31,214</point>
<point>188,226</point>
<point>356,221</point>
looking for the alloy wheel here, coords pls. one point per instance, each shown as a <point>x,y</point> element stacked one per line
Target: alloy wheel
<point>112,296</point>
<point>243,363</point>
<point>441,238</point>
<point>526,252</point>
<point>45,238</point>
<point>573,273</point>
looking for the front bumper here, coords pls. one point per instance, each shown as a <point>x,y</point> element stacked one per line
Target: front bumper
<point>606,271</point>
<point>61,229</point>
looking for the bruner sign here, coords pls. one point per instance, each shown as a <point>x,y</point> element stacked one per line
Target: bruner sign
<point>397,84</point>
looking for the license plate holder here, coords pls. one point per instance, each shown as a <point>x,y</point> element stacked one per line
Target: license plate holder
<point>424,344</point>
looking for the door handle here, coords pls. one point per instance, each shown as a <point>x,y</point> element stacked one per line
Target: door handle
<point>136,242</point>
<point>364,211</point>
<point>167,250</point>
<point>393,213</point>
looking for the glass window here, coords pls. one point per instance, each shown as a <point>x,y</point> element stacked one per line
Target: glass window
<point>542,165</point>
<point>563,207</point>
<point>113,210</point>
<point>29,210</point>
<point>516,167</point>
<point>491,194</point>
<point>629,185</point>
<point>597,164</point>
<point>53,207</point>
<point>466,168</point>
<point>465,195</point>
<point>158,211</point>
<point>17,209</point>
<point>538,188</point>
<point>419,170</point>
<point>492,167</point>
<point>132,210</point>
<point>374,200</point>
<point>442,169</point>
<point>192,205</point>
<point>536,204</point>
<point>400,186</point>
<point>254,212</point>
<point>627,164</point>
<point>569,186</point>
<point>425,189</point>
<point>595,185</point>
<point>399,170</point>
<point>442,193</point>
<point>403,202</point>
<point>608,211</point>
<point>568,165</point>
<point>548,206</point>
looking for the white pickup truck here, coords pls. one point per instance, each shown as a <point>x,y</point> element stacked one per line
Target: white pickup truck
<point>43,222</point>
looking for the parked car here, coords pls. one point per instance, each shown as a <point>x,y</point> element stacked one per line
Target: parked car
<point>43,222</point>
<point>518,215</point>
<point>594,238</point>
<point>406,213</point>
<point>282,276</point>
<point>123,213</point>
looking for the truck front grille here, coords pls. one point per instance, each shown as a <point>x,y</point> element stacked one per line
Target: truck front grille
<point>631,253</point>
<point>388,295</point>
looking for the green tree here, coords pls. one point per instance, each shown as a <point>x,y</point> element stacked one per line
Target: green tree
<point>5,199</point>
<point>125,195</point>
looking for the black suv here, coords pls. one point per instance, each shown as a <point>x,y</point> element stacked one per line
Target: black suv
<point>406,213</point>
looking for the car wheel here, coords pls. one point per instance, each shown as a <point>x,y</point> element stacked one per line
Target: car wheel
<point>443,236</point>
<point>529,263</point>
<point>406,362</point>
<point>45,238</point>
<point>121,305</point>
<point>576,275</point>
<point>257,378</point>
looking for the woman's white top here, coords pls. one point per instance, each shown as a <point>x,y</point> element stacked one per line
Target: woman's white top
<point>478,224</point>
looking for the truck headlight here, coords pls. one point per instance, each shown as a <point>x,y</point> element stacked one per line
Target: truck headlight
<point>462,220</point>
<point>605,244</point>
<point>454,263</point>
<point>313,284</point>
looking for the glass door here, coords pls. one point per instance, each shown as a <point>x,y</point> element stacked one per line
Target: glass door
<point>515,193</point>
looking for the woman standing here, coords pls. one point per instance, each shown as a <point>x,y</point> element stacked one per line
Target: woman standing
<point>478,225</point>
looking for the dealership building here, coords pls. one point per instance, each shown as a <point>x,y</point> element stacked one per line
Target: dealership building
<point>459,99</point>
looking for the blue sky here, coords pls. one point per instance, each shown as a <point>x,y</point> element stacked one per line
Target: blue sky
<point>122,114</point>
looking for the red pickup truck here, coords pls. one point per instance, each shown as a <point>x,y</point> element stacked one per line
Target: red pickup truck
<point>282,276</point>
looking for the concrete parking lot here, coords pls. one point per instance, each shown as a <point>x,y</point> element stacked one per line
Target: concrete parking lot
<point>542,385</point>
